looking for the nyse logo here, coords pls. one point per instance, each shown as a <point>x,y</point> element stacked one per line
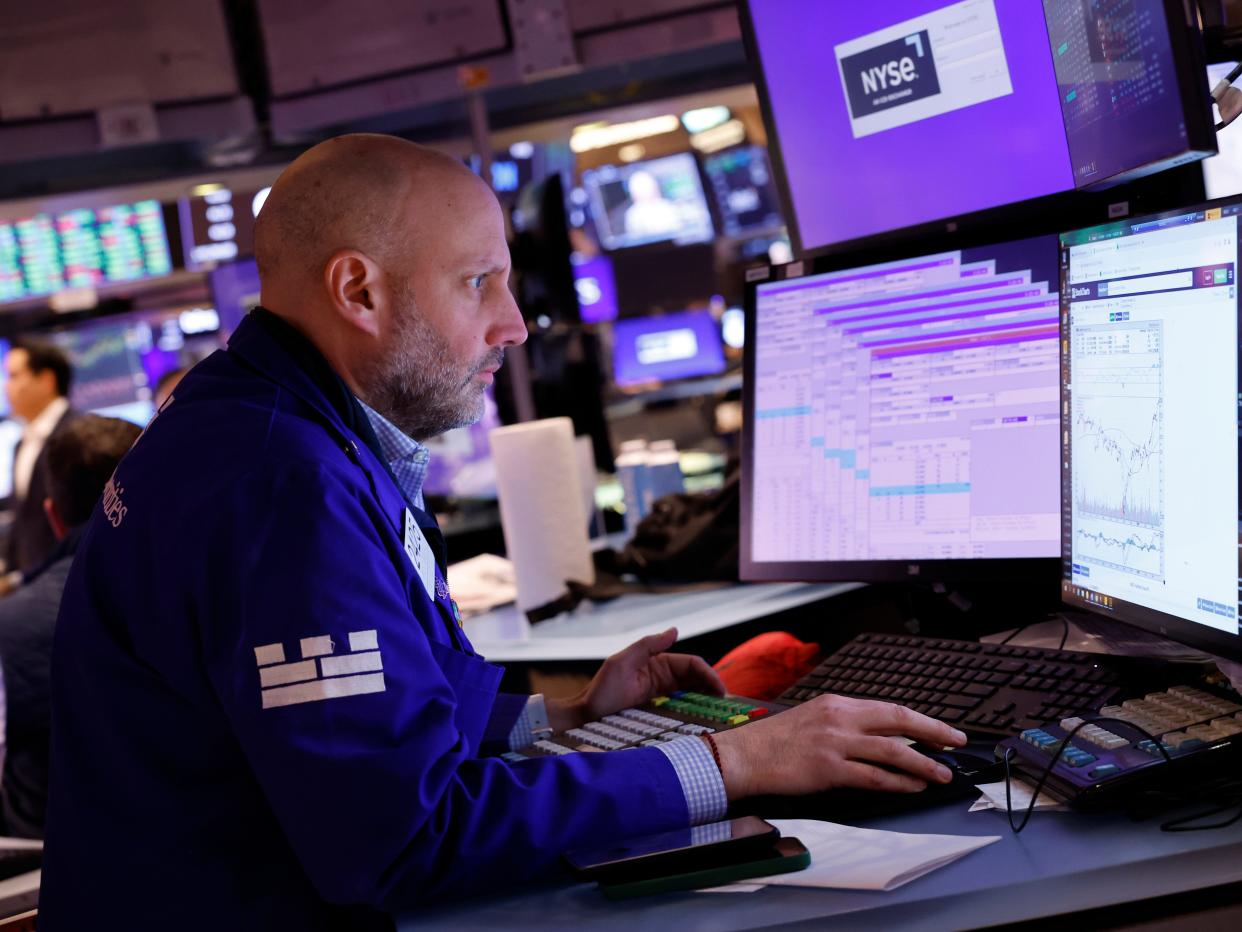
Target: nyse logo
<point>889,75</point>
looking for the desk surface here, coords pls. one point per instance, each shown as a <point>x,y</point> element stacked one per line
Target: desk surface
<point>597,630</point>
<point>1062,862</point>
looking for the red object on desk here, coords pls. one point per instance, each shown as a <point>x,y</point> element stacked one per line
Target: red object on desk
<point>766,665</point>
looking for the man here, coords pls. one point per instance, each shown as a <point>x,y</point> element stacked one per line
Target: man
<point>77,461</point>
<point>38,390</point>
<point>266,714</point>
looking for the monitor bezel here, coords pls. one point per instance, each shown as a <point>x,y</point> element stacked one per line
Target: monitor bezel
<point>1175,628</point>
<point>997,569</point>
<point>1075,206</point>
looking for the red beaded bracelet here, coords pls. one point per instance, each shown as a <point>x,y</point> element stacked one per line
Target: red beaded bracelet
<point>711,743</point>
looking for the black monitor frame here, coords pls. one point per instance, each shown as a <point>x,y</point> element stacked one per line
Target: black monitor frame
<point>1140,616</point>
<point>1073,207</point>
<point>1018,569</point>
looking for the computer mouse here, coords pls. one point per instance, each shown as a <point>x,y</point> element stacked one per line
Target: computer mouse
<point>851,805</point>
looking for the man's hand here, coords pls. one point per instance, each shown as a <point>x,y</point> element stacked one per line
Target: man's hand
<point>830,742</point>
<point>637,674</point>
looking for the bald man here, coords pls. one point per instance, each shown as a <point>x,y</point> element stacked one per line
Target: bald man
<point>266,714</point>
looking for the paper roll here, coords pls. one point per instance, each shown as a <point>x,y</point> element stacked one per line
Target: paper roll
<point>541,510</point>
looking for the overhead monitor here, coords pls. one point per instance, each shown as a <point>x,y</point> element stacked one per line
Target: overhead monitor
<point>901,419</point>
<point>746,197</point>
<point>891,115</point>
<point>596,287</point>
<point>218,226</point>
<point>1222,173</point>
<point>1150,400</point>
<point>83,248</point>
<point>666,347</point>
<point>656,201</point>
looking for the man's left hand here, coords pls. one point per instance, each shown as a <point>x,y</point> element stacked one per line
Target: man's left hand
<point>632,677</point>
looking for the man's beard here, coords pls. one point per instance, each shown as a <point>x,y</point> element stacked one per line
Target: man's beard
<point>416,385</point>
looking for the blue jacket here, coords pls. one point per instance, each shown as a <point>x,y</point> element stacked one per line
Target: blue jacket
<point>251,528</point>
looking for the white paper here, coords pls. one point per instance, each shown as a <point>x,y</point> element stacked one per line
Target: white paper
<point>481,583</point>
<point>993,797</point>
<point>741,886</point>
<point>848,858</point>
<point>541,509</point>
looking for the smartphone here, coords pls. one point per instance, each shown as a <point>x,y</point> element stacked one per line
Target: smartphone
<point>678,851</point>
<point>785,857</point>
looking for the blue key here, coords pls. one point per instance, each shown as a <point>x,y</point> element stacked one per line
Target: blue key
<point>1104,770</point>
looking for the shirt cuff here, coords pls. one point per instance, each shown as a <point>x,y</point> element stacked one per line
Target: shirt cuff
<point>700,778</point>
<point>534,718</point>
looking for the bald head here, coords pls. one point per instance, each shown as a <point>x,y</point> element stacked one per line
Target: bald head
<point>356,192</point>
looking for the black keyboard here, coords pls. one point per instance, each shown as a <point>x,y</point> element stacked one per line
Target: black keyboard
<point>986,690</point>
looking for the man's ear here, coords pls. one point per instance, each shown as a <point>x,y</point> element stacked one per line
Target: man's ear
<point>356,289</point>
<point>59,529</point>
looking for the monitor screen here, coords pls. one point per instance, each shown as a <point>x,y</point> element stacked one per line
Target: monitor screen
<point>741,181</point>
<point>1150,400</point>
<point>657,201</point>
<point>235,290</point>
<point>218,226</point>
<point>596,287</point>
<point>891,115</point>
<point>1222,173</point>
<point>43,254</point>
<point>904,413</point>
<point>461,460</point>
<point>670,346</point>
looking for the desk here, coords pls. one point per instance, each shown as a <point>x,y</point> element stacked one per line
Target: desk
<point>1061,863</point>
<point>596,631</point>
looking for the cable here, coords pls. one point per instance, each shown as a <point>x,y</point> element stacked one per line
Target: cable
<point>1065,742</point>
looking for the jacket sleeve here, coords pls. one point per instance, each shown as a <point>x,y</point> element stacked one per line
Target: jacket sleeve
<point>379,792</point>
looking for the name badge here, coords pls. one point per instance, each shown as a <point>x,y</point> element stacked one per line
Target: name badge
<point>419,552</point>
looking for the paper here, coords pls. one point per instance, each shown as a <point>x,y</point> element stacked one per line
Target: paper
<point>994,798</point>
<point>541,509</point>
<point>848,858</point>
<point>741,886</point>
<point>481,583</point>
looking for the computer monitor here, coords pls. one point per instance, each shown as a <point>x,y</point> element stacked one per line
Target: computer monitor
<point>666,347</point>
<point>82,248</point>
<point>596,287</point>
<point>234,288</point>
<point>218,226</point>
<point>746,197</point>
<point>1222,173</point>
<point>883,116</point>
<point>656,201</point>
<point>1150,441</point>
<point>461,460</point>
<point>901,419</point>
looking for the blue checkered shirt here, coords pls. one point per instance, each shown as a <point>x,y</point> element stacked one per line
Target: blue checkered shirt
<point>693,762</point>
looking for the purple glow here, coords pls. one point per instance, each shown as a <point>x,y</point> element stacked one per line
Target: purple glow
<point>671,346</point>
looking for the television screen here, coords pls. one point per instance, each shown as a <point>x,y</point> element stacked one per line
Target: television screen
<point>82,248</point>
<point>741,181</point>
<point>657,201</point>
<point>596,287</point>
<point>670,346</point>
<point>218,226</point>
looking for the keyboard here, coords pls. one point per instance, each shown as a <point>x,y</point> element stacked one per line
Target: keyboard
<point>986,690</point>
<point>1200,731</point>
<point>663,719</point>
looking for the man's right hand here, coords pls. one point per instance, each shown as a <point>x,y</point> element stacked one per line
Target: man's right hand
<point>831,742</point>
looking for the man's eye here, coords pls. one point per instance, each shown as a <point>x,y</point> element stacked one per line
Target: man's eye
<point>477,281</point>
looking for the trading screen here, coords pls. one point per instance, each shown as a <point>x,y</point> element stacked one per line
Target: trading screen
<point>44,254</point>
<point>1150,394</point>
<point>908,410</point>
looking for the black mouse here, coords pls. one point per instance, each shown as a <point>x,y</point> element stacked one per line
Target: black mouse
<point>851,805</point>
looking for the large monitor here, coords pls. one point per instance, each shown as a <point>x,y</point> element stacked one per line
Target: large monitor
<point>901,419</point>
<point>656,201</point>
<point>218,226</point>
<point>1150,402</point>
<point>83,248</point>
<point>883,116</point>
<point>666,347</point>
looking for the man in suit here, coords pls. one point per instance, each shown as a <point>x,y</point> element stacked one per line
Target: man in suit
<point>38,381</point>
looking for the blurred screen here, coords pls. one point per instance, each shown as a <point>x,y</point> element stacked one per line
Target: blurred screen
<point>670,346</point>
<point>742,183</point>
<point>656,201</point>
